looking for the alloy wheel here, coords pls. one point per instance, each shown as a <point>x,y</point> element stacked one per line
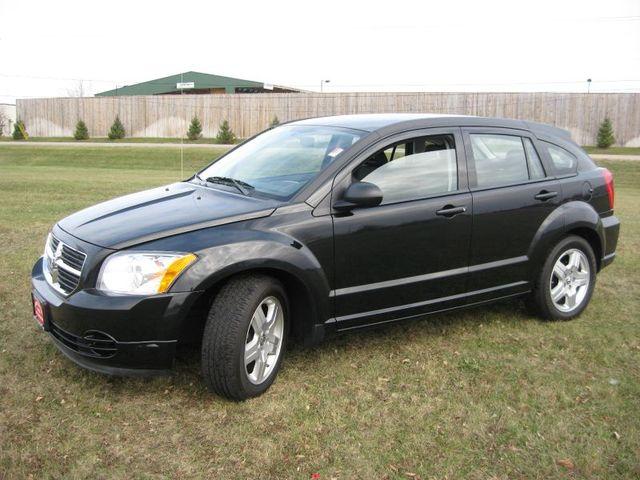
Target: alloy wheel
<point>263,342</point>
<point>569,282</point>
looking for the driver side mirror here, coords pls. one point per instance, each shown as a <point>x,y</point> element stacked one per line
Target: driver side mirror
<point>359,194</point>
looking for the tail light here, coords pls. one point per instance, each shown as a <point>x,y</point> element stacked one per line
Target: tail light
<point>608,180</point>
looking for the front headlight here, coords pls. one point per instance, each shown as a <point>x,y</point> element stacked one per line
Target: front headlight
<point>142,273</point>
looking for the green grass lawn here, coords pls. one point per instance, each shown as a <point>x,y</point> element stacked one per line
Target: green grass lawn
<point>614,150</point>
<point>486,393</point>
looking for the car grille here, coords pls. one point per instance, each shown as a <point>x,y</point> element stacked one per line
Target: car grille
<point>63,265</point>
<point>93,344</point>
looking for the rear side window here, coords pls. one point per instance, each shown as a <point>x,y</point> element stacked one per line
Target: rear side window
<point>499,159</point>
<point>563,161</point>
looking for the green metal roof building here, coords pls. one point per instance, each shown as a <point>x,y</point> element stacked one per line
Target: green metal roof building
<point>203,83</point>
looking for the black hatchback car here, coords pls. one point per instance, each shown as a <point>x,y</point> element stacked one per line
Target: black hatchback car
<point>322,226</point>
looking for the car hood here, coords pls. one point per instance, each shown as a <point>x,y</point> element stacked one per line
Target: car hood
<point>161,212</point>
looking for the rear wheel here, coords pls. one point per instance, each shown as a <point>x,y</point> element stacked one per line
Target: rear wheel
<point>244,337</point>
<point>565,283</point>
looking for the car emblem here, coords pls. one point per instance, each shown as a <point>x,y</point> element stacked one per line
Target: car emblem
<point>57,255</point>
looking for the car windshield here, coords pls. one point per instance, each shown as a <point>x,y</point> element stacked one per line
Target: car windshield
<point>279,162</point>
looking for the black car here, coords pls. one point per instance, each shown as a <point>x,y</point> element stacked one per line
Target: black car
<point>323,226</point>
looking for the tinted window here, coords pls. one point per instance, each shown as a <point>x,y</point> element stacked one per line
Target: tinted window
<point>563,161</point>
<point>413,169</point>
<point>536,170</point>
<point>499,159</point>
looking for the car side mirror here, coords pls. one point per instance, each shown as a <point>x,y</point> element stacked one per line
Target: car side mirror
<point>359,194</point>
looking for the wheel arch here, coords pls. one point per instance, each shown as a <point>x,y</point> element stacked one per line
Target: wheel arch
<point>593,239</point>
<point>307,304</point>
<point>571,218</point>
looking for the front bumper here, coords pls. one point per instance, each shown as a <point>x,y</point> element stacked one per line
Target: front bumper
<point>119,335</point>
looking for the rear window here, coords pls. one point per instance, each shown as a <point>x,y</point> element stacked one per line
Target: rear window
<point>563,161</point>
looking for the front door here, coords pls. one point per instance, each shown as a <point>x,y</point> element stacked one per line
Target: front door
<point>409,255</point>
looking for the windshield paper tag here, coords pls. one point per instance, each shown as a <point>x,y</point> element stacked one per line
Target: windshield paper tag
<point>335,152</point>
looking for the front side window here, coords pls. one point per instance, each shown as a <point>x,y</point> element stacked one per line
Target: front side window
<point>279,162</point>
<point>564,162</point>
<point>412,169</point>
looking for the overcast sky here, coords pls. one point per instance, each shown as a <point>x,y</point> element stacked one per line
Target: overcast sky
<point>455,45</point>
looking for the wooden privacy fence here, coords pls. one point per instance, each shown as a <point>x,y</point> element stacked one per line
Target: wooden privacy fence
<point>248,114</point>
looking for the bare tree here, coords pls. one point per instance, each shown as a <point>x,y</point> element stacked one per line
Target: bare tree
<point>3,122</point>
<point>78,90</point>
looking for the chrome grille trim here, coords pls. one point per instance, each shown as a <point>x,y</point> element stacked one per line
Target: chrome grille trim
<point>62,265</point>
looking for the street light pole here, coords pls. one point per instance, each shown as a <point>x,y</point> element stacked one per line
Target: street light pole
<point>588,85</point>
<point>182,136</point>
<point>322,82</point>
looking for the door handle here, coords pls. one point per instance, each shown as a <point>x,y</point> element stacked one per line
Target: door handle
<point>545,195</point>
<point>450,211</point>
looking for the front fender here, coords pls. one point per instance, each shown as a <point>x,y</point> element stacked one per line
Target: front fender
<point>220,262</point>
<point>233,249</point>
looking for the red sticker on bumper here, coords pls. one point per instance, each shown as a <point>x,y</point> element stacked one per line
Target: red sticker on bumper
<point>38,312</point>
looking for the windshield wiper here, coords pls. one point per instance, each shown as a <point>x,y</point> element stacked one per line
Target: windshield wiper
<point>243,187</point>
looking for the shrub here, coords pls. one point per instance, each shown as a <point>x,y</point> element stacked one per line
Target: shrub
<point>275,122</point>
<point>605,134</point>
<point>117,130</point>
<point>225,134</point>
<point>195,129</point>
<point>19,131</point>
<point>82,132</point>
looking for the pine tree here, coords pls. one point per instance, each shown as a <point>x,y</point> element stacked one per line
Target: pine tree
<point>225,134</point>
<point>605,134</point>
<point>117,130</point>
<point>19,131</point>
<point>275,122</point>
<point>195,129</point>
<point>82,132</point>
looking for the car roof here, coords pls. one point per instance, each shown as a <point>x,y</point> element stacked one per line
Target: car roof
<point>372,122</point>
<point>369,122</point>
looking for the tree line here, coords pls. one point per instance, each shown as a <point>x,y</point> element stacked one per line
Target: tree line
<point>225,135</point>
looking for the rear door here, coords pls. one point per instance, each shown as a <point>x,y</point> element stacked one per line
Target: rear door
<point>513,193</point>
<point>408,255</point>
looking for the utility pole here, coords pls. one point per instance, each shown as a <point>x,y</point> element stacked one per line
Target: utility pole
<point>181,86</point>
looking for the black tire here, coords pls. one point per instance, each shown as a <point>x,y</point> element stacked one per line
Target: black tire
<point>539,300</point>
<point>225,334</point>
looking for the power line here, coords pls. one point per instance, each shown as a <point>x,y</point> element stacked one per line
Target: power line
<point>66,79</point>
<point>199,98</point>
<point>594,90</point>
<point>344,85</point>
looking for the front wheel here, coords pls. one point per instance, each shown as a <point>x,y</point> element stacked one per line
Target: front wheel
<point>244,337</point>
<point>565,283</point>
